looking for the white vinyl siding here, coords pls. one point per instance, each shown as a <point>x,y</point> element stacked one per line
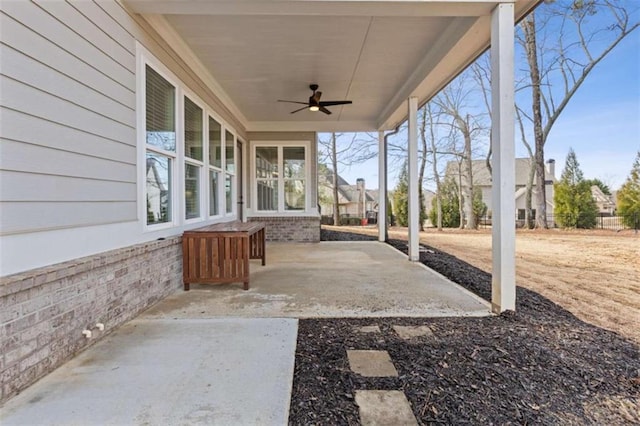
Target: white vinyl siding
<point>38,47</point>
<point>29,158</point>
<point>69,149</point>
<point>68,154</point>
<point>20,126</point>
<point>82,45</point>
<point>29,187</point>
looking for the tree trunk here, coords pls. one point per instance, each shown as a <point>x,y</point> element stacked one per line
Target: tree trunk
<point>423,164</point>
<point>466,191</point>
<point>471,218</point>
<point>460,195</point>
<point>434,163</point>
<point>529,29</point>
<point>528,213</point>
<point>334,165</point>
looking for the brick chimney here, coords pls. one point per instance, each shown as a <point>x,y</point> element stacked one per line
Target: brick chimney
<point>361,196</point>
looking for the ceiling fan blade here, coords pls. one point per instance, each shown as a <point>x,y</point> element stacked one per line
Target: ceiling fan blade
<point>293,102</point>
<point>331,103</point>
<point>304,107</point>
<point>326,111</point>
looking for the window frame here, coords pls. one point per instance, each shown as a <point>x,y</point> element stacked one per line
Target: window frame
<point>280,145</point>
<point>147,148</point>
<point>226,173</point>
<point>186,160</point>
<point>212,168</point>
<point>178,159</point>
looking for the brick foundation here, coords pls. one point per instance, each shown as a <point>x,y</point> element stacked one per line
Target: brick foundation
<point>43,311</point>
<point>291,228</point>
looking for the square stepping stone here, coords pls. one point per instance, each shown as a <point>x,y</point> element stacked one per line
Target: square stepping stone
<point>408,332</point>
<point>378,408</point>
<point>371,363</point>
<point>368,329</point>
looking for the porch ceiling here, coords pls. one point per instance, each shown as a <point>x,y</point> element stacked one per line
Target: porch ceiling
<point>375,53</point>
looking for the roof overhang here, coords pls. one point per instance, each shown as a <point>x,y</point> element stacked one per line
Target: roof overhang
<point>376,53</point>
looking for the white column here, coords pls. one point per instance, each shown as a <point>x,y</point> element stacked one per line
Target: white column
<point>414,196</point>
<point>503,282</point>
<point>382,188</point>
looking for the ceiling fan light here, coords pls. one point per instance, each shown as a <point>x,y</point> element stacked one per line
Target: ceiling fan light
<point>314,108</point>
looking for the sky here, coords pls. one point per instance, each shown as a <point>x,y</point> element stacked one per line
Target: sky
<point>601,123</point>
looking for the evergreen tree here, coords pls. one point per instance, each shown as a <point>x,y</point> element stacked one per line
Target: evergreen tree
<point>629,197</point>
<point>450,205</point>
<point>600,184</point>
<point>479,207</point>
<point>401,197</point>
<point>574,204</point>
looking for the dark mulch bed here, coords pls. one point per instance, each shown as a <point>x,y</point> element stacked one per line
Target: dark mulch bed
<point>540,365</point>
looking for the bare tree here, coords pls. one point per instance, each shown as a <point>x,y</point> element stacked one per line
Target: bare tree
<point>563,41</point>
<point>434,162</point>
<point>482,76</point>
<point>528,212</point>
<point>452,101</point>
<point>422,121</point>
<point>343,151</point>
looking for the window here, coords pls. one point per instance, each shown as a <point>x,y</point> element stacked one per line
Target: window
<point>280,177</point>
<point>193,143</point>
<point>189,154</point>
<point>192,191</point>
<point>215,166</point>
<point>229,161</point>
<point>294,178</point>
<point>160,131</point>
<point>267,178</point>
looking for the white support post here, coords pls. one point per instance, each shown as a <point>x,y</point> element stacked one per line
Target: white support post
<point>414,196</point>
<point>503,282</point>
<point>382,189</point>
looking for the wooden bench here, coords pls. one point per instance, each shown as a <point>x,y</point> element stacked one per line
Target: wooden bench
<point>220,253</point>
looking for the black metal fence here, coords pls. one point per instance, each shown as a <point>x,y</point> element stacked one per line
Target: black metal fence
<point>613,223</point>
<point>346,219</point>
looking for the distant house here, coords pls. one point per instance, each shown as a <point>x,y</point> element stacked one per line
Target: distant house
<point>157,193</point>
<point>353,200</point>
<point>606,203</point>
<point>482,179</point>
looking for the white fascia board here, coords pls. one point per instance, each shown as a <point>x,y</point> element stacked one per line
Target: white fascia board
<point>311,126</point>
<point>415,8</point>
<point>166,31</point>
<point>425,83</point>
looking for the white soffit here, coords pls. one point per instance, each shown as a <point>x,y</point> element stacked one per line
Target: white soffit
<point>375,53</point>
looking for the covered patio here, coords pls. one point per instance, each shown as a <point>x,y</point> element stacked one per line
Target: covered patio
<point>225,356</point>
<point>158,117</point>
<point>324,280</point>
<point>384,59</point>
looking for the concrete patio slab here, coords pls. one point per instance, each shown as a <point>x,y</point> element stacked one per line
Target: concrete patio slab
<point>369,363</point>
<point>328,279</point>
<point>170,372</point>
<point>384,408</point>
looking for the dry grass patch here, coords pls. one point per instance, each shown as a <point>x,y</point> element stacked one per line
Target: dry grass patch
<point>593,274</point>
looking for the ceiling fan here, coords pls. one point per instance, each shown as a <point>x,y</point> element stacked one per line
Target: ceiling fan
<point>314,103</point>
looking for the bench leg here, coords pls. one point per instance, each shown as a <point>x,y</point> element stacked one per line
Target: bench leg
<point>246,285</point>
<point>186,286</point>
